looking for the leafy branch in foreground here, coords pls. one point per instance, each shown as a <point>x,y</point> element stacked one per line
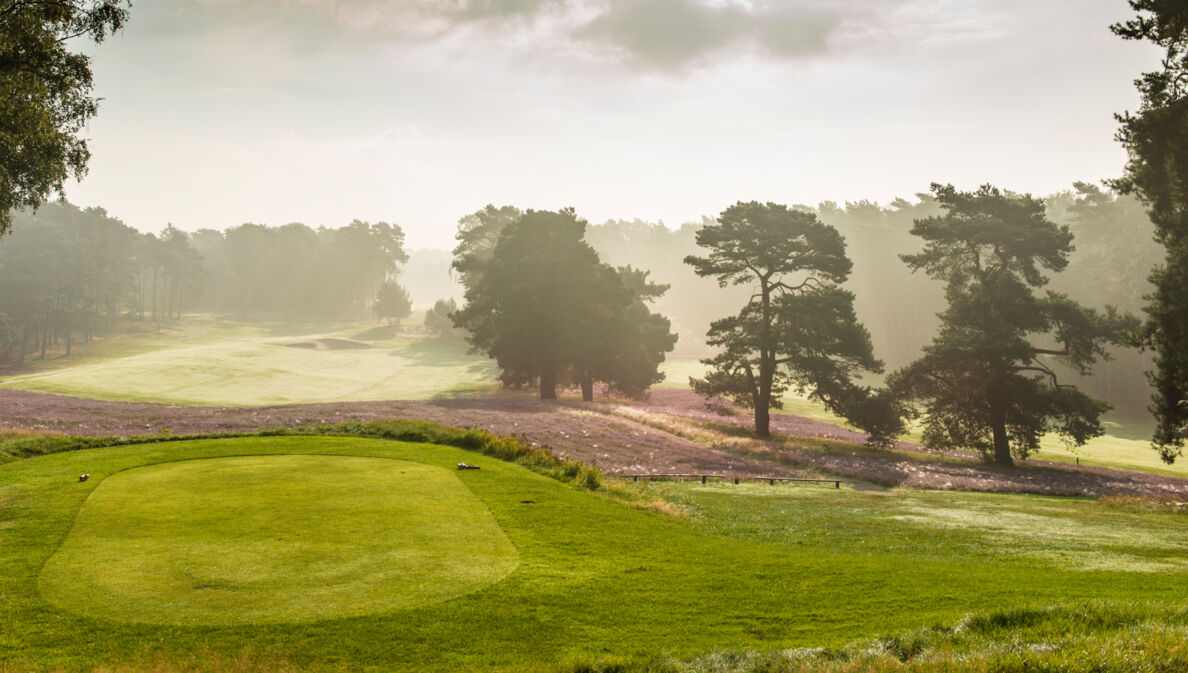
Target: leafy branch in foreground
<point>45,94</point>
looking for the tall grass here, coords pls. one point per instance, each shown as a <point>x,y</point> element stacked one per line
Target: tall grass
<point>1092,638</point>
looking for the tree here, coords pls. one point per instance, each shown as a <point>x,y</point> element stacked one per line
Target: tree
<point>392,302</point>
<point>546,308</point>
<point>438,321</point>
<point>1156,140</point>
<point>986,379</point>
<point>528,306</point>
<point>624,342</point>
<point>45,94</point>
<point>798,329</point>
<point>478,234</point>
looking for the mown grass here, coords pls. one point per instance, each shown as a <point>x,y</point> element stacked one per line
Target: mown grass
<point>206,360</point>
<point>741,569</point>
<point>274,539</point>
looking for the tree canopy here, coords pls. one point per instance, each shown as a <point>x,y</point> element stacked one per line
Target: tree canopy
<point>45,94</point>
<point>438,321</point>
<point>987,379</point>
<point>798,329</point>
<point>392,302</point>
<point>1156,141</point>
<point>546,308</point>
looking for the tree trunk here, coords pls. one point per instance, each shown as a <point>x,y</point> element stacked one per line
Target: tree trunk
<point>587,387</point>
<point>763,416</point>
<point>155,284</point>
<point>763,397</point>
<point>24,346</point>
<point>1002,445</point>
<point>548,384</point>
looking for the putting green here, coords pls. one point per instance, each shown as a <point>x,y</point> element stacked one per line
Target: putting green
<point>274,539</point>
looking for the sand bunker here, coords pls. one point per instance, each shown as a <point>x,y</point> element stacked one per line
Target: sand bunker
<point>330,345</point>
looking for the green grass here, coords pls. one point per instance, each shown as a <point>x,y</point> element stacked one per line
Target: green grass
<point>211,361</point>
<point>274,539</point>
<point>749,568</point>
<point>1084,638</point>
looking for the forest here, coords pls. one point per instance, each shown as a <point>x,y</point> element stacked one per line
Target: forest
<point>69,273</point>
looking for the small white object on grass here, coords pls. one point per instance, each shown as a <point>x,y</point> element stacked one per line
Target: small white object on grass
<point>84,477</point>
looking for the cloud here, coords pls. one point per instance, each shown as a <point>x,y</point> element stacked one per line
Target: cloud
<point>658,35</point>
<point>666,35</point>
<point>672,34</point>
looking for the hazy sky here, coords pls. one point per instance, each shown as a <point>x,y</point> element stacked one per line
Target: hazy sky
<point>219,112</point>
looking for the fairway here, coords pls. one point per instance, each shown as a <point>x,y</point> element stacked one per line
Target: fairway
<point>274,539</point>
<point>318,550</point>
<point>220,363</point>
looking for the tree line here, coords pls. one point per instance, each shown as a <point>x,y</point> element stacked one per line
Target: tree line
<point>540,301</point>
<point>296,272</point>
<point>1113,253</point>
<point>67,274</point>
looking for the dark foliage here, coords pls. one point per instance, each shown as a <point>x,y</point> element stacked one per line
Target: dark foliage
<point>798,328</point>
<point>45,94</point>
<point>987,378</point>
<point>1156,140</point>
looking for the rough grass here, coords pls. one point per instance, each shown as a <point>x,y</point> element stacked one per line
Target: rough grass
<point>215,362</point>
<point>1087,638</point>
<point>753,568</point>
<point>274,539</point>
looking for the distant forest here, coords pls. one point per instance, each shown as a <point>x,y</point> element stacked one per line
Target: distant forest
<point>67,273</point>
<point>1115,252</point>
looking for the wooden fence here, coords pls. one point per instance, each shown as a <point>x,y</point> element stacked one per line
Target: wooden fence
<point>724,477</point>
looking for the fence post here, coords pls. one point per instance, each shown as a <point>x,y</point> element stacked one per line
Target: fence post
<point>837,485</point>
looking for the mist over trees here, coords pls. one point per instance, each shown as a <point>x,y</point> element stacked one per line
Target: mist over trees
<point>1113,251</point>
<point>67,274</point>
<point>297,272</point>
<point>544,306</point>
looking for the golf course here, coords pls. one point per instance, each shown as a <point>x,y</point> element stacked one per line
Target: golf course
<point>338,552</point>
<point>211,360</point>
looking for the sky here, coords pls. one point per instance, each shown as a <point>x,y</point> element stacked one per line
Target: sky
<point>416,112</point>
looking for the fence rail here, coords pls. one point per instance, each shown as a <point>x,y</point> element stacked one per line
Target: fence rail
<point>724,477</point>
